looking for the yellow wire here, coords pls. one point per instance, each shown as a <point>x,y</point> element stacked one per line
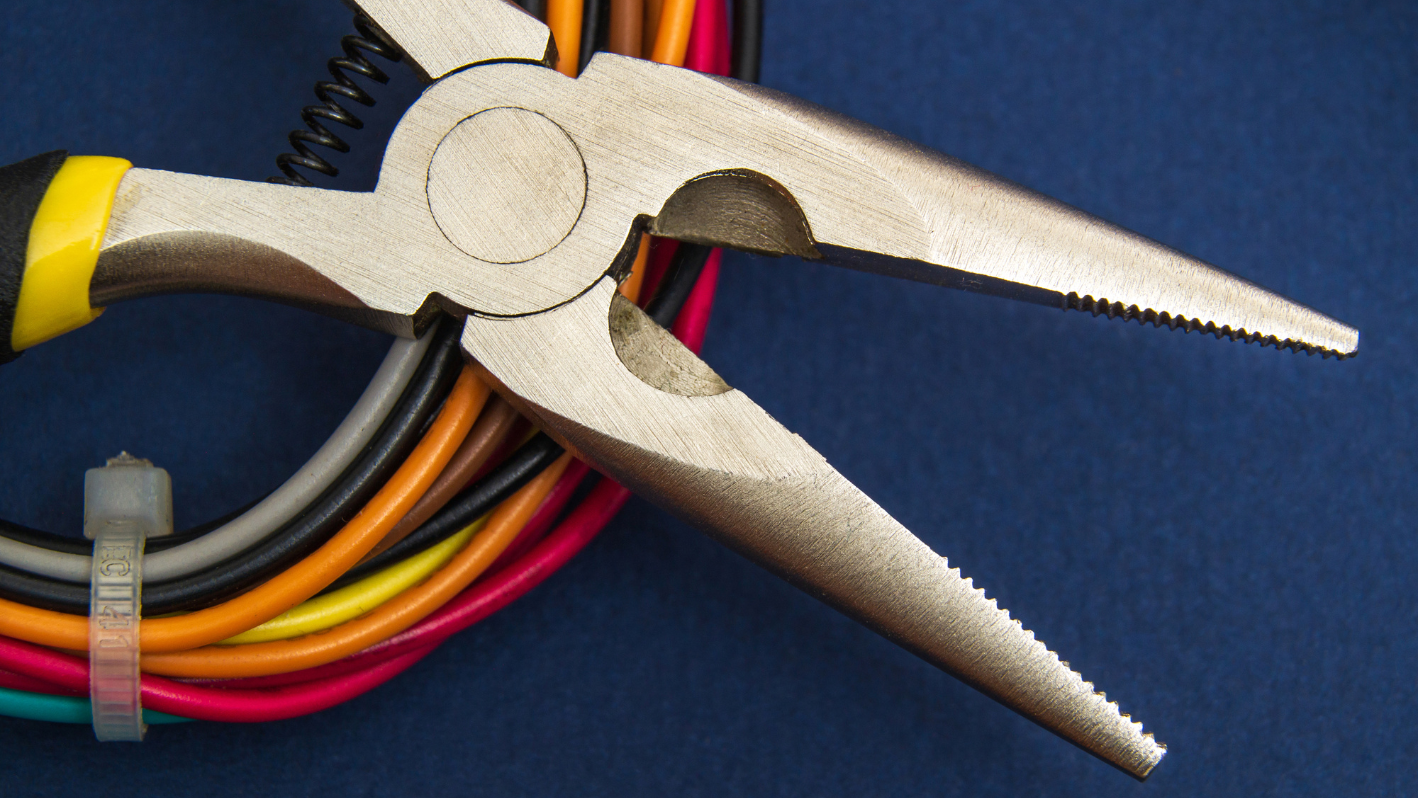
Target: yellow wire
<point>348,603</point>
<point>393,617</point>
<point>352,601</point>
<point>302,580</point>
<point>366,595</point>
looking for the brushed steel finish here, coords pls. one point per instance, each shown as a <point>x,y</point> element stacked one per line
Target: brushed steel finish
<point>986,233</point>
<point>723,464</point>
<point>512,166</point>
<point>515,195</point>
<point>188,263</point>
<point>656,357</point>
<point>865,199</point>
<point>441,36</point>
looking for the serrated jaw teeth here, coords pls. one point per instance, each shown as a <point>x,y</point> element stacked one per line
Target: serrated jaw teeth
<point>1349,344</point>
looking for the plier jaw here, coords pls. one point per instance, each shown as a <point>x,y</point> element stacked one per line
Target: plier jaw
<point>442,37</point>
<point>980,232</point>
<point>510,195</point>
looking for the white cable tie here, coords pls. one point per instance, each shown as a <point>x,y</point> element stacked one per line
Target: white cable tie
<point>125,503</point>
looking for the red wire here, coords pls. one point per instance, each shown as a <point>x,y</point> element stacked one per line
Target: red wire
<point>709,39</point>
<point>212,703</point>
<point>530,535</point>
<point>311,690</point>
<point>294,694</point>
<point>480,600</point>
<point>19,681</point>
<point>708,52</point>
<point>301,692</point>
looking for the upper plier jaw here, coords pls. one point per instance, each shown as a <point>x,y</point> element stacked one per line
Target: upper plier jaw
<point>440,38</point>
<point>768,172</point>
<point>863,198</point>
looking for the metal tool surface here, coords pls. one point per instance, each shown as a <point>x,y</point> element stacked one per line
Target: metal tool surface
<point>513,195</point>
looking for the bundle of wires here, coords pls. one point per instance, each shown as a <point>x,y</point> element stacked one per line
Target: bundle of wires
<point>432,506</point>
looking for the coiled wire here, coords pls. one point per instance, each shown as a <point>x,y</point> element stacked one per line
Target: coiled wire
<point>367,39</point>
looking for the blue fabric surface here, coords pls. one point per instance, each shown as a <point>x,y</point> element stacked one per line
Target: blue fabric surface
<point>1218,535</point>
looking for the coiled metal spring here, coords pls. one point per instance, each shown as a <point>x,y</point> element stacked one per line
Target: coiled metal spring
<point>367,39</point>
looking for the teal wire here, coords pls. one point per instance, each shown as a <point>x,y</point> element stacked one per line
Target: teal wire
<point>63,708</point>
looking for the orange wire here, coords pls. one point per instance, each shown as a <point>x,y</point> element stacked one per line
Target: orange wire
<point>564,19</point>
<point>672,39</point>
<point>671,43</point>
<point>389,619</point>
<point>631,287</point>
<point>300,581</point>
<point>392,502</point>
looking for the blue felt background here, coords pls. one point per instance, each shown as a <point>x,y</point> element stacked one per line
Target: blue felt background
<point>1221,536</point>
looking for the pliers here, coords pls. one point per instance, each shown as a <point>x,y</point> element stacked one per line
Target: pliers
<point>513,197</point>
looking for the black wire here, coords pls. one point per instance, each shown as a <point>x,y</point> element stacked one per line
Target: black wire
<point>47,540</point>
<point>72,545</point>
<point>747,40</point>
<point>312,528</point>
<point>595,27</point>
<point>678,283</point>
<point>42,592</point>
<point>537,8</point>
<point>674,289</point>
<point>537,453</point>
<point>300,536</point>
<point>530,459</point>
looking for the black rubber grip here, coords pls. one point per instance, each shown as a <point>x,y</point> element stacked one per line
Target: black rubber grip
<point>22,186</point>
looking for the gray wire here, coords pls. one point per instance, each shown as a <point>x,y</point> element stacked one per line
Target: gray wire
<point>248,529</point>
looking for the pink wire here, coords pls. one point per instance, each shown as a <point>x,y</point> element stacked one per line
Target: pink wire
<point>660,255</point>
<point>530,535</point>
<point>342,667</point>
<point>708,52</point>
<point>211,703</point>
<point>480,600</point>
<point>709,39</point>
<point>303,692</point>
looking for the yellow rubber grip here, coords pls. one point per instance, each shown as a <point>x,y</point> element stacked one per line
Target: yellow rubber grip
<point>63,248</point>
